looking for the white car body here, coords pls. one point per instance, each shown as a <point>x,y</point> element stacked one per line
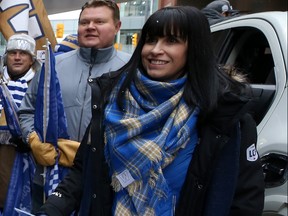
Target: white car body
<point>252,32</point>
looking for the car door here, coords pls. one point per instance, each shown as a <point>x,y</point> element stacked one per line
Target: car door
<point>254,45</point>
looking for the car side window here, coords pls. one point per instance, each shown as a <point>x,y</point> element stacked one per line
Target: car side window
<point>247,49</point>
<point>255,58</point>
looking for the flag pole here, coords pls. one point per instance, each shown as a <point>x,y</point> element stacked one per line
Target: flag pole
<point>45,123</point>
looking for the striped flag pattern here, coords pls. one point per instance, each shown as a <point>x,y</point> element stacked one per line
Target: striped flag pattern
<point>50,119</point>
<point>53,177</point>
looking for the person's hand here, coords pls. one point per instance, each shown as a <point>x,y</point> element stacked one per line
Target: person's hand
<point>67,149</point>
<point>44,153</point>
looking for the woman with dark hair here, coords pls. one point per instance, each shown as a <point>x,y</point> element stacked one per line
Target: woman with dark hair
<point>170,134</point>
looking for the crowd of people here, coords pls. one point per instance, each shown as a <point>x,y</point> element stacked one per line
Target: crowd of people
<point>163,131</point>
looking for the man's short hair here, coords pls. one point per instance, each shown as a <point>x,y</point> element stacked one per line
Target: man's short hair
<point>108,3</point>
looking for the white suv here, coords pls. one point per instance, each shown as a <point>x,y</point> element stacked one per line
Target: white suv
<point>257,45</point>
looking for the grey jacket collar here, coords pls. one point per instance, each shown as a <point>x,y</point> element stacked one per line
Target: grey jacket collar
<point>96,56</point>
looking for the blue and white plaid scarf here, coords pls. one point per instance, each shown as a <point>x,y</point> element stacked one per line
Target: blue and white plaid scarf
<point>142,139</point>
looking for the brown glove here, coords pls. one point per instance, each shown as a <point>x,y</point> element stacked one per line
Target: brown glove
<point>67,149</point>
<point>44,153</point>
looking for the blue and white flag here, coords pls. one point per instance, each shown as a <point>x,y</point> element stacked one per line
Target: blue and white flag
<point>50,119</point>
<point>19,190</point>
<point>10,109</point>
<point>19,193</point>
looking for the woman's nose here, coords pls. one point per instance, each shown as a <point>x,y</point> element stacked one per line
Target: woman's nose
<point>158,48</point>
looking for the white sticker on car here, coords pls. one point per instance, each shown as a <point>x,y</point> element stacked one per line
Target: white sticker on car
<point>251,153</point>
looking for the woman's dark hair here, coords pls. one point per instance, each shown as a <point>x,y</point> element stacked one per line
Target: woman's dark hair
<point>203,85</point>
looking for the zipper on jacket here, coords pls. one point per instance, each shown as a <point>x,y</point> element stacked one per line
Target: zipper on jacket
<point>90,69</point>
<point>82,111</point>
<point>85,95</point>
<point>93,56</point>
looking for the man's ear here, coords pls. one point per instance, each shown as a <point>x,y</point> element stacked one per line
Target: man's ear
<point>118,26</point>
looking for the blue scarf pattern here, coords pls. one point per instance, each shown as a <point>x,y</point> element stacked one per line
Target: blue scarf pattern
<point>142,138</point>
<point>17,89</point>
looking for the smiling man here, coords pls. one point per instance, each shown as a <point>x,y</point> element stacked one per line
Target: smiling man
<point>19,67</point>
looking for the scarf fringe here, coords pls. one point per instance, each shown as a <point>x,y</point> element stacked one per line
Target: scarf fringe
<point>115,183</point>
<point>153,178</point>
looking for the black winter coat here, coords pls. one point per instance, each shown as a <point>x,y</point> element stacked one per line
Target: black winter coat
<point>224,177</point>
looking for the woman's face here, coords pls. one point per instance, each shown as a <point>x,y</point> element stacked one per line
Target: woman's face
<point>164,57</point>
